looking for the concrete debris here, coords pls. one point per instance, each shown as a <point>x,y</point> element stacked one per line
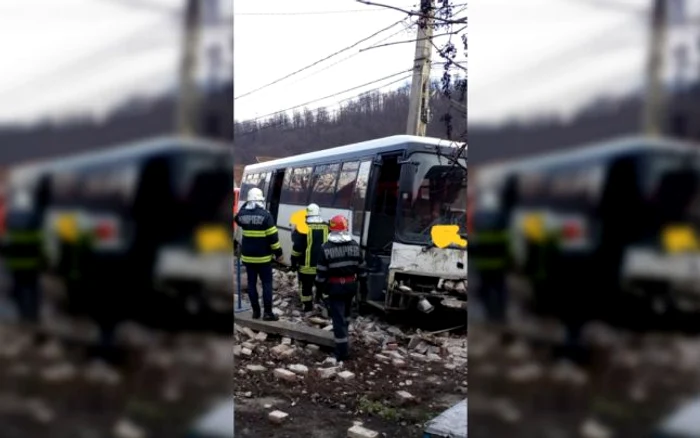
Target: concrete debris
<point>59,373</point>
<point>52,350</point>
<point>246,351</point>
<point>256,368</point>
<point>40,411</point>
<point>593,429</point>
<point>261,336</point>
<point>327,373</point>
<point>127,429</point>
<point>567,372</point>
<point>525,373</point>
<point>346,375</point>
<point>404,396</point>
<point>299,369</point>
<point>277,417</point>
<point>357,431</point>
<point>101,373</point>
<point>507,411</point>
<point>283,374</point>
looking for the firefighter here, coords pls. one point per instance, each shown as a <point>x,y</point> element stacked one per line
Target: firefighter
<point>23,256</point>
<point>260,243</point>
<point>340,268</point>
<point>305,253</point>
<point>491,254</point>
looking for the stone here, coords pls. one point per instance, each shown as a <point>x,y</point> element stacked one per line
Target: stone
<point>246,352</point>
<point>398,363</point>
<point>346,375</point>
<point>277,417</point>
<point>404,396</point>
<point>357,431</point>
<point>256,368</point>
<point>283,374</point>
<point>327,373</point>
<point>299,369</point>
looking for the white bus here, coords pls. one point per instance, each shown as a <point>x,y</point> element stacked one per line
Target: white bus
<point>406,200</point>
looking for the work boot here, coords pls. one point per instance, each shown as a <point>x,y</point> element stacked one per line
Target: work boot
<point>256,312</point>
<point>270,317</point>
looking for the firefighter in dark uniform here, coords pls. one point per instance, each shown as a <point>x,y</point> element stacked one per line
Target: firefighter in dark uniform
<point>260,243</point>
<point>22,250</point>
<point>305,253</point>
<point>340,268</point>
<point>490,253</point>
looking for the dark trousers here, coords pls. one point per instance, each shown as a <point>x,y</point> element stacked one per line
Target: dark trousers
<point>494,294</point>
<point>27,296</point>
<point>306,287</point>
<point>264,272</point>
<point>339,306</point>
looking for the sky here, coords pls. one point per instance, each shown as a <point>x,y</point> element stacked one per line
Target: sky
<point>526,58</point>
<point>63,57</point>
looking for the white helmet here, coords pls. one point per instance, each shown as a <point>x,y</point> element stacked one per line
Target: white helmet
<point>313,210</point>
<point>255,195</point>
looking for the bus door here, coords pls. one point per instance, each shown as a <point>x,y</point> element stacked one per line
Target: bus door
<point>275,192</point>
<point>383,203</point>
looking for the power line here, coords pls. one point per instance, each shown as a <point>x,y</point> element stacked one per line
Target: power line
<point>261,128</point>
<point>318,62</point>
<point>353,55</point>
<point>270,14</point>
<point>336,94</point>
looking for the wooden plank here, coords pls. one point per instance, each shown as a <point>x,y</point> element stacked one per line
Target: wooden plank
<point>285,328</point>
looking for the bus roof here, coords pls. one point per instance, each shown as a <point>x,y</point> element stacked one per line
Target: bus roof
<point>385,144</point>
<point>588,151</point>
<point>135,149</point>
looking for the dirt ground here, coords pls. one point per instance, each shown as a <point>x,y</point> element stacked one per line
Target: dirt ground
<point>328,407</point>
<point>627,385</point>
<point>56,390</point>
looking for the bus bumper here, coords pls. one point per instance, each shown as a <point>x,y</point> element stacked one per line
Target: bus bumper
<point>677,274</point>
<point>212,273</point>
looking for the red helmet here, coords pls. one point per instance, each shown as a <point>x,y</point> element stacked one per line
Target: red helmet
<point>338,223</point>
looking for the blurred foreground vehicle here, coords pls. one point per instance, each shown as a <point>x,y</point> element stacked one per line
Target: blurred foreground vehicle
<point>406,198</point>
<point>151,217</point>
<point>602,225</point>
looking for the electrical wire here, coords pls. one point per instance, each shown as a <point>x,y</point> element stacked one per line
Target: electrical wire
<point>318,62</point>
<point>266,116</point>
<point>360,51</point>
<point>285,14</point>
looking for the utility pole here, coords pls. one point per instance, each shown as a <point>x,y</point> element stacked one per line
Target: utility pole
<point>188,101</point>
<point>654,105</point>
<point>420,83</point>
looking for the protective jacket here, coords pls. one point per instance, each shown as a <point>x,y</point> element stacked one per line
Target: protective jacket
<point>260,240</point>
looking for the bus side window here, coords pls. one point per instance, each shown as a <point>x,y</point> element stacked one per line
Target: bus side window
<point>359,198</point>
<point>296,188</point>
<point>264,183</point>
<point>346,185</point>
<point>324,182</point>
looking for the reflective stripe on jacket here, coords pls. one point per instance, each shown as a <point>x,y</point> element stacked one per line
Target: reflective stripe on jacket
<point>307,247</point>
<point>260,239</point>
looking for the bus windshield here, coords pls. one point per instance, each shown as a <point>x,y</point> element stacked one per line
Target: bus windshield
<point>434,194</point>
<point>672,182</point>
